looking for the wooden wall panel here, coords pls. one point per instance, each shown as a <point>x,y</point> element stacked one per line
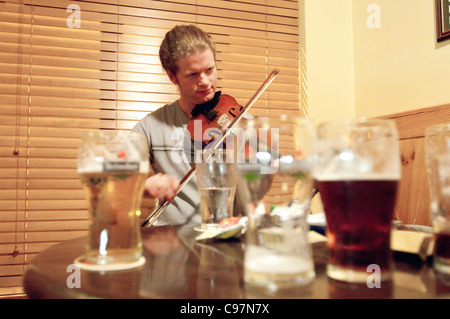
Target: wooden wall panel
<point>413,202</point>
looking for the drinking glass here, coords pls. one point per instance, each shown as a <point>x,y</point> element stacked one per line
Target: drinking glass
<point>274,161</point>
<point>216,183</point>
<point>357,171</point>
<point>437,139</point>
<point>113,167</point>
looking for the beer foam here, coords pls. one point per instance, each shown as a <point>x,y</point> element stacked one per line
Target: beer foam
<point>91,167</point>
<point>356,176</point>
<point>97,166</point>
<point>119,153</point>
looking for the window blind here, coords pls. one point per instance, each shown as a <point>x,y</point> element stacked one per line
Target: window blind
<point>71,66</point>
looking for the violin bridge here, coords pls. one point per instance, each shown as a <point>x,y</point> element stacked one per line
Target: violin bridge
<point>223,121</point>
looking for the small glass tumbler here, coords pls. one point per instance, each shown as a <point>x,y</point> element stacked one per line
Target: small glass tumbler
<point>216,183</point>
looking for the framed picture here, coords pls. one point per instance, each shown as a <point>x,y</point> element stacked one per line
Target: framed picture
<point>443,19</point>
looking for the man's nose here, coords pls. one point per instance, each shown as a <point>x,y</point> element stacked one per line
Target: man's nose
<point>203,79</point>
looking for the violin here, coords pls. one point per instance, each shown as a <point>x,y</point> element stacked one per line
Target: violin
<point>214,119</point>
<point>210,120</point>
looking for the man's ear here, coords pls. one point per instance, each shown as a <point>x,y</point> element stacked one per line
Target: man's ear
<point>172,77</point>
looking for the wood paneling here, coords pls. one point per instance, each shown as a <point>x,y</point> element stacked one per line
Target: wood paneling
<point>413,202</point>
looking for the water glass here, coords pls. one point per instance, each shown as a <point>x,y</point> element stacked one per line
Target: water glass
<point>216,183</point>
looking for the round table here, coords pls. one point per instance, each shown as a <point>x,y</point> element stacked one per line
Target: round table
<point>179,267</point>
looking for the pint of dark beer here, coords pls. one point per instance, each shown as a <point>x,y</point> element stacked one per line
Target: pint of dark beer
<point>357,173</point>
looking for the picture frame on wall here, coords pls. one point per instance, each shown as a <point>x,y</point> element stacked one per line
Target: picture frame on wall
<point>443,19</point>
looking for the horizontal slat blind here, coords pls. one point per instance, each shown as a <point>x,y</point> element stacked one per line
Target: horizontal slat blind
<point>57,80</point>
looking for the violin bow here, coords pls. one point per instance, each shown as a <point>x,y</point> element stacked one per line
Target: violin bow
<point>150,220</point>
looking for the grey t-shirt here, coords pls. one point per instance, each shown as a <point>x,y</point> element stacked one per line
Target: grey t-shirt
<point>171,152</point>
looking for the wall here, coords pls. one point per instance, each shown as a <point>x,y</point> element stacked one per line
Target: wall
<point>375,58</point>
<point>326,28</point>
<point>372,57</point>
<point>399,66</point>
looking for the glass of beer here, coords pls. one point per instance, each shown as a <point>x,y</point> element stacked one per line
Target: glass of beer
<point>113,167</point>
<point>275,184</point>
<point>438,161</point>
<point>357,171</point>
<point>216,183</point>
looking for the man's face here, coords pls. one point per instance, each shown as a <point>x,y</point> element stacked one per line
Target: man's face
<point>196,78</point>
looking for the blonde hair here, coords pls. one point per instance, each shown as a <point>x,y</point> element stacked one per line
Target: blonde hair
<point>182,41</point>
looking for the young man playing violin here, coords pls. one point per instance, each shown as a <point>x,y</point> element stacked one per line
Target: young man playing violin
<point>188,55</point>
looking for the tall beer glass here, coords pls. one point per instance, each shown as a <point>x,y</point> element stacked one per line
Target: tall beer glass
<point>113,167</point>
<point>357,171</point>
